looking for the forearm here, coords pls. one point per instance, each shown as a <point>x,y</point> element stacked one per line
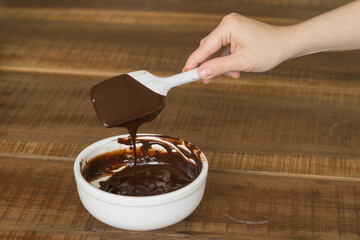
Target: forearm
<point>336,30</point>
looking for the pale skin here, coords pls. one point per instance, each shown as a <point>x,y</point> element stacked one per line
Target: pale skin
<point>252,46</point>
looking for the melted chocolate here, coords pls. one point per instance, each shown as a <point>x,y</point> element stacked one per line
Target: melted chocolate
<point>122,101</point>
<point>164,165</point>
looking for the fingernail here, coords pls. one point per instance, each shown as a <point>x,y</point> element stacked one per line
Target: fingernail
<point>205,73</point>
<point>185,69</point>
<point>206,80</point>
<point>235,75</point>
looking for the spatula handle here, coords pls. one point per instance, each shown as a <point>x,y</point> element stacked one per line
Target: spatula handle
<point>183,78</point>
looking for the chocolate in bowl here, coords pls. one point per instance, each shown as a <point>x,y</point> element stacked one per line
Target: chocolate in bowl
<point>164,164</point>
<point>139,213</point>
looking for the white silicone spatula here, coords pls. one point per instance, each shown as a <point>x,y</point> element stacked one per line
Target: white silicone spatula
<point>136,96</point>
<point>162,85</point>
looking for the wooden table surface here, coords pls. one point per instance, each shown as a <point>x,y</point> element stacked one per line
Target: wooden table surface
<point>283,146</point>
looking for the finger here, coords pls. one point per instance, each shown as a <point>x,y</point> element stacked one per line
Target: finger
<point>222,65</point>
<point>233,74</point>
<point>188,68</point>
<point>209,45</point>
<point>207,81</point>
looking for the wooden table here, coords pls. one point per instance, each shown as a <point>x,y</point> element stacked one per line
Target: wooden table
<point>283,146</point>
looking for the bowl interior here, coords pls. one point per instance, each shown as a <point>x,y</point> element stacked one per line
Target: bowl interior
<point>192,157</point>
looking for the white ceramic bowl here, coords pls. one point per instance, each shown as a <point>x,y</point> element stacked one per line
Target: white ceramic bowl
<point>136,213</point>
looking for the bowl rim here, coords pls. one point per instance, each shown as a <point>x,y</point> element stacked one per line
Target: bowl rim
<point>142,201</point>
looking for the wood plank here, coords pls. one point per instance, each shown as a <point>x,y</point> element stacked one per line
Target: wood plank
<point>121,16</point>
<point>236,205</point>
<point>307,127</point>
<point>61,39</point>
<point>284,8</point>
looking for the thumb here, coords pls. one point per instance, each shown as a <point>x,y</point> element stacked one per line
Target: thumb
<point>220,65</point>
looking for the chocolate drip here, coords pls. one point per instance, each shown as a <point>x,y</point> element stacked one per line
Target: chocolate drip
<point>122,101</point>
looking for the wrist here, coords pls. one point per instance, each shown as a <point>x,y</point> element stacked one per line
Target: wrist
<point>303,39</point>
<point>292,42</point>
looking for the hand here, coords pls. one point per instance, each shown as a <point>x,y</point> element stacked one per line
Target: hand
<point>249,46</point>
<point>252,46</point>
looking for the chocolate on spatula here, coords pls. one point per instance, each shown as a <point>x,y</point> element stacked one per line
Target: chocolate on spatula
<point>136,96</point>
<point>121,100</point>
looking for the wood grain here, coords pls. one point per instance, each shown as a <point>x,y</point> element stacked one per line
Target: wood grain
<point>283,146</point>
<point>301,9</point>
<point>126,43</point>
<point>235,205</point>
<point>304,134</point>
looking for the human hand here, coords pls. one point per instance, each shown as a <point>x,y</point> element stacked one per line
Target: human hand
<point>250,46</point>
